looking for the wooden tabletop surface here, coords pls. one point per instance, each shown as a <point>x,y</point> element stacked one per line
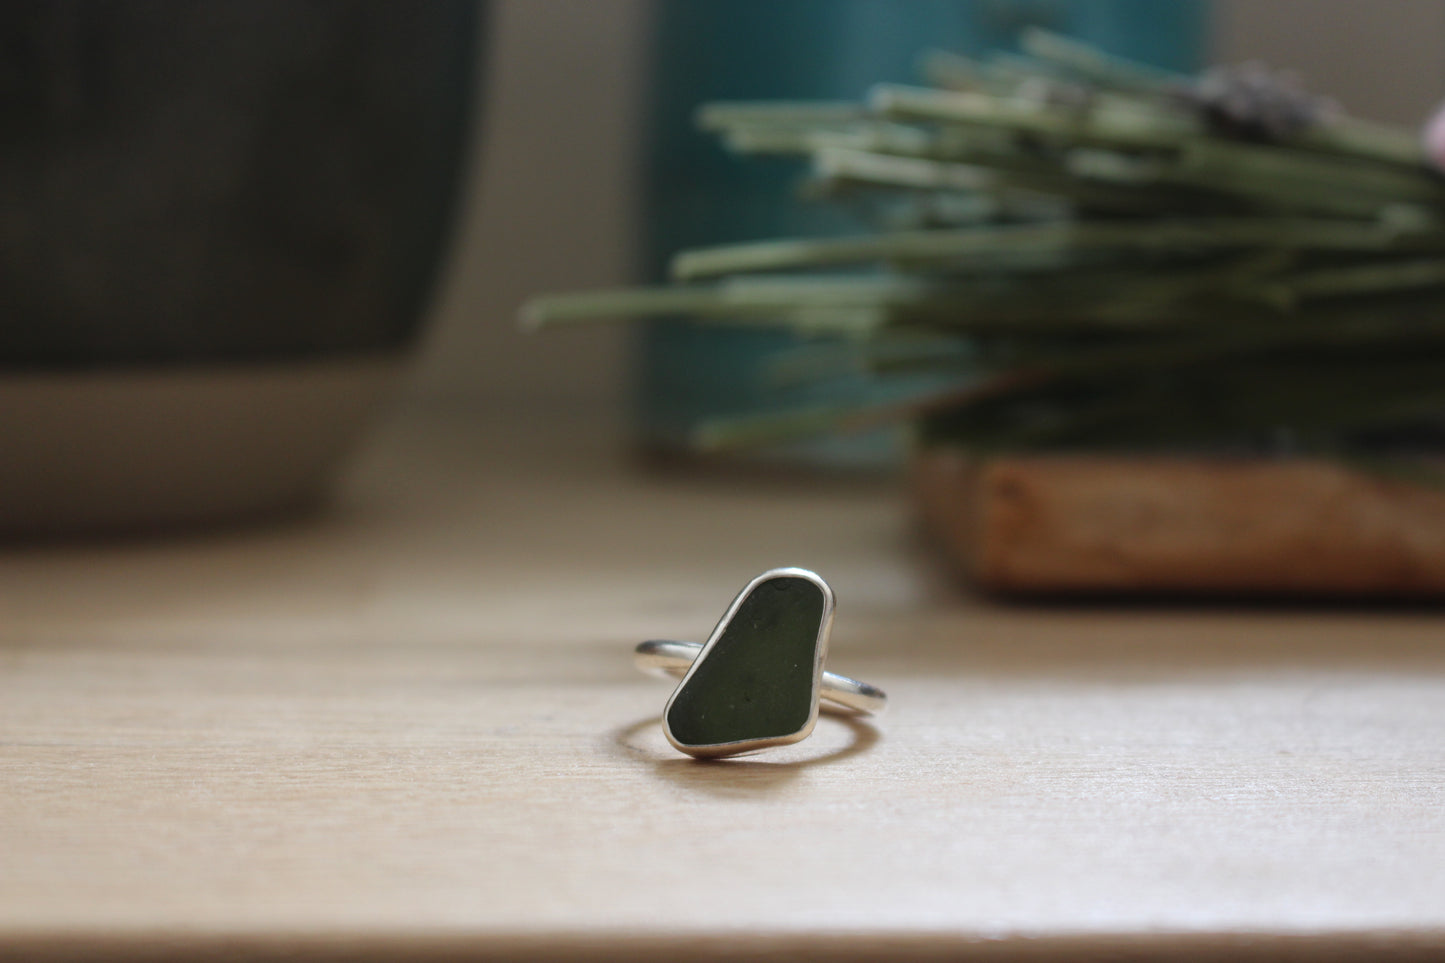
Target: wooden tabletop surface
<point>410,727</point>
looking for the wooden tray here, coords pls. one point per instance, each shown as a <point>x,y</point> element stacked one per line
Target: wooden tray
<point>1106,524</point>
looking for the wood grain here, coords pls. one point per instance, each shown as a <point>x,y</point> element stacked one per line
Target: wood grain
<point>411,729</point>
<point>1111,524</point>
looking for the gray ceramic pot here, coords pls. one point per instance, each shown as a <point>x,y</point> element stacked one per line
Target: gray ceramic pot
<point>219,224</point>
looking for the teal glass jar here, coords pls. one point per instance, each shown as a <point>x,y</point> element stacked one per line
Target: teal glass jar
<point>697,194</point>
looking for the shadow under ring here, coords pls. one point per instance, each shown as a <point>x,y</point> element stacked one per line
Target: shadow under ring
<point>863,737</point>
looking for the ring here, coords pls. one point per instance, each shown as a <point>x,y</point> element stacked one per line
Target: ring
<point>758,679</point>
<point>664,657</point>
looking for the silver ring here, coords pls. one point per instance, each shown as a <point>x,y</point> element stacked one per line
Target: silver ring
<point>759,679</point>
<point>665,658</point>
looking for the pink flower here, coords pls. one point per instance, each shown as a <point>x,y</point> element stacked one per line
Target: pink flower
<point>1432,138</point>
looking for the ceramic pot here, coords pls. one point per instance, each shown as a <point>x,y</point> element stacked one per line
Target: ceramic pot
<point>219,225</point>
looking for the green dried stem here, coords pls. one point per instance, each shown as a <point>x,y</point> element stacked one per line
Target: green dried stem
<point>1074,252</point>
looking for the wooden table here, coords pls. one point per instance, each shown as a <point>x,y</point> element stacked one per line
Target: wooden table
<point>410,727</point>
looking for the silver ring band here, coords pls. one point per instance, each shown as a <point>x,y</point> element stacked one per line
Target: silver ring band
<point>667,658</point>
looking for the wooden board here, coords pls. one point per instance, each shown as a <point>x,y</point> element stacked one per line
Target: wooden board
<point>410,729</point>
<point>1108,524</point>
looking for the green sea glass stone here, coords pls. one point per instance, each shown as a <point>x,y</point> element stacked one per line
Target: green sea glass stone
<point>756,681</point>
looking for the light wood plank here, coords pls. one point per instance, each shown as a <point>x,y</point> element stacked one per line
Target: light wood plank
<point>412,728</point>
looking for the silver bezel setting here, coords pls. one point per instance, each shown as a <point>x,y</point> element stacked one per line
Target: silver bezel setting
<point>820,655</point>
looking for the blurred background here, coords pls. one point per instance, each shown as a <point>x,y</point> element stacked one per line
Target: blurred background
<point>555,200</point>
<point>335,208</point>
